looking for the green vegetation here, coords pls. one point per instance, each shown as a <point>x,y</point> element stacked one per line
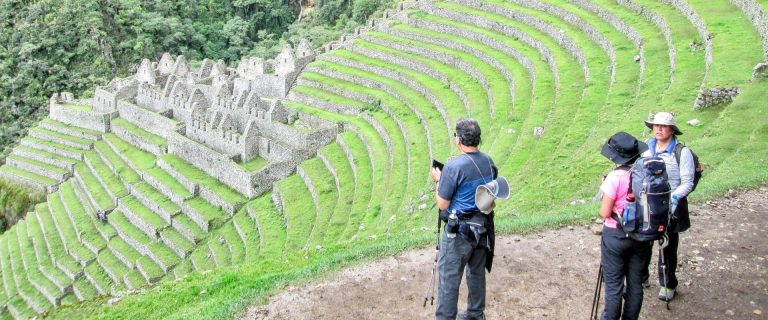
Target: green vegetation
<point>373,195</point>
<point>16,200</point>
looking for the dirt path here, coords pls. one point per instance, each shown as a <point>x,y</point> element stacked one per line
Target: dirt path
<point>551,275</point>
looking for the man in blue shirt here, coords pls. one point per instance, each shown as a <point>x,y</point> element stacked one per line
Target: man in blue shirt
<point>468,237</point>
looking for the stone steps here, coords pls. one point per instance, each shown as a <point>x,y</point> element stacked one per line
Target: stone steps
<point>67,232</point>
<point>45,287</point>
<point>113,267</point>
<point>98,279</point>
<point>25,289</point>
<point>45,157</point>
<point>105,230</point>
<point>206,216</point>
<point>149,270</point>
<point>66,129</point>
<point>142,217</point>
<point>42,257</point>
<point>83,289</point>
<point>123,252</point>
<point>99,198</point>
<point>198,183</point>
<point>188,228</point>
<point>107,178</point>
<point>63,139</point>
<point>37,167</point>
<point>249,231</point>
<point>29,179</point>
<point>134,280</point>
<point>86,232</point>
<point>177,242</point>
<point>55,245</point>
<point>324,104</point>
<point>55,148</point>
<point>139,138</point>
<point>563,40</point>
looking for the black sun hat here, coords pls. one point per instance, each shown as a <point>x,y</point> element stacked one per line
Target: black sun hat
<point>622,147</point>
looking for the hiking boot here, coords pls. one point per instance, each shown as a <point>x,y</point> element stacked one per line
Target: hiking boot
<point>463,315</point>
<point>666,294</point>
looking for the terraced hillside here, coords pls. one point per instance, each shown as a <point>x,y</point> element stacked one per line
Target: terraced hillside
<point>548,81</point>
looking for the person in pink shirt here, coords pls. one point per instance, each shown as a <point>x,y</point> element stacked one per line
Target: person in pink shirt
<point>622,259</point>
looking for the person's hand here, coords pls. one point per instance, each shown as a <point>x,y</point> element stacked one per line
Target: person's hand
<point>436,173</point>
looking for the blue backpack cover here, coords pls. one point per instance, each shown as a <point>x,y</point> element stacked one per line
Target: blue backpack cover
<point>649,218</point>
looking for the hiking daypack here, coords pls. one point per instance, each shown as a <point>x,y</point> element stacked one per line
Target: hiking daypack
<point>649,218</point>
<point>698,168</point>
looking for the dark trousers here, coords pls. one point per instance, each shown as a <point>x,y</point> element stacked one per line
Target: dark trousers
<point>668,268</point>
<point>623,261</point>
<point>456,253</point>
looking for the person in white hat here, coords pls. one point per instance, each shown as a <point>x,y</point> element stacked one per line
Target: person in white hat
<point>680,175</point>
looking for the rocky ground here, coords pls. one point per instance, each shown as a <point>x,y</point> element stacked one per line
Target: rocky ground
<point>551,275</point>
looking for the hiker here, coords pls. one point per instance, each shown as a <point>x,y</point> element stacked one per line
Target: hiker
<point>623,259</point>
<point>680,175</point>
<point>468,237</point>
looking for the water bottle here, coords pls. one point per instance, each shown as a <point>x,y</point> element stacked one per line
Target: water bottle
<point>452,226</point>
<point>630,213</point>
<point>673,204</point>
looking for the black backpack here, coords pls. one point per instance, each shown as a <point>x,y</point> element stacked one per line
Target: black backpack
<point>647,218</point>
<point>698,168</point>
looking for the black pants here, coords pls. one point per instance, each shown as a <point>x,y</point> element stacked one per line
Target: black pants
<point>669,263</point>
<point>667,270</point>
<point>623,261</point>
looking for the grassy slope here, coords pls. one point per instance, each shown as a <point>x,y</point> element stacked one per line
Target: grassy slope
<point>731,141</point>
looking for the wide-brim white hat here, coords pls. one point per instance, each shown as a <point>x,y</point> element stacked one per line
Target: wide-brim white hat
<point>486,194</point>
<point>663,118</point>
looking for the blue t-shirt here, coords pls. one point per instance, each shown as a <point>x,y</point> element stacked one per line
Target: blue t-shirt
<point>461,177</point>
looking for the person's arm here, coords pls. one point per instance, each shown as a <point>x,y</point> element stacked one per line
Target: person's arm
<point>442,204</point>
<point>606,207</point>
<point>686,167</point>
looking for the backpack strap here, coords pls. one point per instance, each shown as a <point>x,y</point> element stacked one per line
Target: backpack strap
<point>678,151</point>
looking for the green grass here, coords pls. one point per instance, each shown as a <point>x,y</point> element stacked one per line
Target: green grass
<point>68,232</point>
<point>546,173</point>
<point>79,107</point>
<point>29,175</point>
<point>45,154</point>
<point>84,132</point>
<point>58,253</point>
<point>126,174</point>
<point>83,226</point>
<point>76,142</point>
<point>67,151</point>
<point>254,164</point>
<point>94,187</point>
<point>213,215</point>
<point>112,265</point>
<point>104,174</point>
<point>198,176</point>
<point>39,164</point>
<point>139,132</point>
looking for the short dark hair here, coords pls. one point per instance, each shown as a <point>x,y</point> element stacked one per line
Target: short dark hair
<point>468,131</point>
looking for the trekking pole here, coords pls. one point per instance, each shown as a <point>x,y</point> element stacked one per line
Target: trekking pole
<point>596,298</point>
<point>663,242</point>
<point>430,293</point>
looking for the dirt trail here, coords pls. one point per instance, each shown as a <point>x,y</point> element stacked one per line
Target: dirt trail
<point>551,275</point>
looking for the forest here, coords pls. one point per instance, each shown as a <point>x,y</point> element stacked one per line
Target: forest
<point>49,46</point>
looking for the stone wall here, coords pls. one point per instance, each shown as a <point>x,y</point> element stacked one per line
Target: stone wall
<point>80,118</point>
<point>561,38</point>
<point>547,55</point>
<point>695,19</point>
<point>213,163</point>
<point>757,15</point>
<point>714,96</point>
<point>147,120</point>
